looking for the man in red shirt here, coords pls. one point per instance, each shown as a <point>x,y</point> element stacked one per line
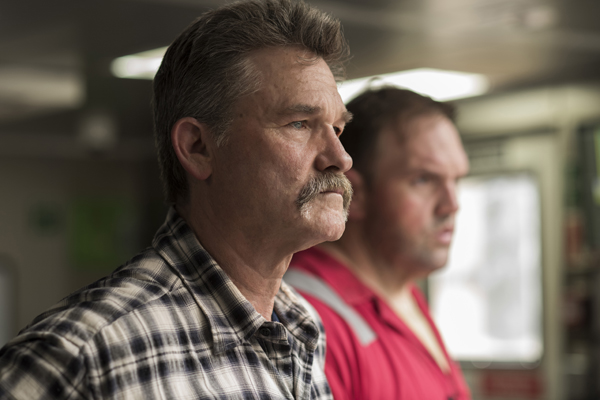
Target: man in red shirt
<point>381,341</point>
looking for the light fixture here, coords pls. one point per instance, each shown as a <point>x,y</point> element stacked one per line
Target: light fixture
<point>138,66</point>
<point>438,84</point>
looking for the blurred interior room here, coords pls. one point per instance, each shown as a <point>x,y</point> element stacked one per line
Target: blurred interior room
<point>519,302</point>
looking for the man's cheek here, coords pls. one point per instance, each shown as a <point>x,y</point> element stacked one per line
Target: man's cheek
<point>409,214</point>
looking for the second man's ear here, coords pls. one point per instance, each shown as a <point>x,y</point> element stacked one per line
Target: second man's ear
<point>357,206</point>
<point>193,145</point>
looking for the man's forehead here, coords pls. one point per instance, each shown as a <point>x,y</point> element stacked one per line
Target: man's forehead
<point>431,141</point>
<point>276,58</point>
<point>292,84</point>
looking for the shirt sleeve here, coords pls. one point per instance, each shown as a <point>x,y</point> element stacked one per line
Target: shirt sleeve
<point>36,366</point>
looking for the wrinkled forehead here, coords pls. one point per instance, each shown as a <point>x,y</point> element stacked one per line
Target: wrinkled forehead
<point>273,62</point>
<point>289,76</point>
<point>282,67</point>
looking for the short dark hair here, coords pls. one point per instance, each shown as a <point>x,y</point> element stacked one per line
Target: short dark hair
<point>377,109</point>
<point>206,68</point>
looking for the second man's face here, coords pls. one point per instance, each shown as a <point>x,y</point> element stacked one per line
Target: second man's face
<point>412,198</point>
<point>283,136</point>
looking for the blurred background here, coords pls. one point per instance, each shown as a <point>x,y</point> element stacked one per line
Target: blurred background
<point>519,303</point>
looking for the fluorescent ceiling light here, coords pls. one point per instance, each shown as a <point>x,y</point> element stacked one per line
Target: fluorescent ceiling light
<point>438,84</point>
<point>138,66</point>
<point>27,91</point>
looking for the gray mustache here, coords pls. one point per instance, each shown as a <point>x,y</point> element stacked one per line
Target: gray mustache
<point>324,182</point>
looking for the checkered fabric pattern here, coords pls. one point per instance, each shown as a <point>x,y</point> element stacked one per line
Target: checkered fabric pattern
<point>169,324</point>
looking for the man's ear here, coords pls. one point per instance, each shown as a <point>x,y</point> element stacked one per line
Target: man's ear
<point>193,146</point>
<point>357,206</point>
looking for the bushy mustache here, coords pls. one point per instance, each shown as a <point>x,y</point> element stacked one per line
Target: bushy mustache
<point>325,182</point>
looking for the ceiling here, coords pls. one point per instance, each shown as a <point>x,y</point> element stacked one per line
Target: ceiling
<point>55,55</point>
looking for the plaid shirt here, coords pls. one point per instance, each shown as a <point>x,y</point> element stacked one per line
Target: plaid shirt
<point>169,324</point>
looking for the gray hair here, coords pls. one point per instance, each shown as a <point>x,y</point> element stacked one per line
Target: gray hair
<point>206,68</point>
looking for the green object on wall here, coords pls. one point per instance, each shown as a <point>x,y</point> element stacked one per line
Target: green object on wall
<point>46,218</point>
<point>103,233</point>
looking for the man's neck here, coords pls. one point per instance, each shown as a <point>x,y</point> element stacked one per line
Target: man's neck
<point>394,286</point>
<point>376,273</point>
<point>255,272</point>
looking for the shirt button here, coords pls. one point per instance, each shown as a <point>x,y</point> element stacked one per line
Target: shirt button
<point>265,331</point>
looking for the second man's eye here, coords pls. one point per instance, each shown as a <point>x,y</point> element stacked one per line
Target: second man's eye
<point>422,179</point>
<point>297,124</point>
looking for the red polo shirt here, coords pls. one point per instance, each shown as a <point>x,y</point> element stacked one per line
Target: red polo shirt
<point>393,365</point>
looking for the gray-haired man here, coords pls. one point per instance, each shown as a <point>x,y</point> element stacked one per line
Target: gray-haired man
<point>247,119</point>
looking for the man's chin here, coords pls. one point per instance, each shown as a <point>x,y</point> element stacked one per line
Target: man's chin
<point>333,228</point>
<point>328,225</point>
<point>439,260</point>
<point>430,259</point>
<point>314,236</point>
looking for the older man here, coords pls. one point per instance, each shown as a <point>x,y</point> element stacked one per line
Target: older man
<point>248,120</point>
<point>381,341</point>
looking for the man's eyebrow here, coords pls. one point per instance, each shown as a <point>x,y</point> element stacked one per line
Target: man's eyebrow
<point>311,110</point>
<point>301,109</point>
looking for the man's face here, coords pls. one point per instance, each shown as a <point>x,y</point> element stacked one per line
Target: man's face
<point>412,195</point>
<point>282,137</point>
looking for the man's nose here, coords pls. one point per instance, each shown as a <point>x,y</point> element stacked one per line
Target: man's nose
<point>333,155</point>
<point>448,202</point>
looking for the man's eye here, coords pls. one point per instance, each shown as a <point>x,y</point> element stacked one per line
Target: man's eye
<point>421,179</point>
<point>297,124</point>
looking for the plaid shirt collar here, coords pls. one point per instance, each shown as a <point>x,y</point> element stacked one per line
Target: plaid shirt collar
<point>233,320</point>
